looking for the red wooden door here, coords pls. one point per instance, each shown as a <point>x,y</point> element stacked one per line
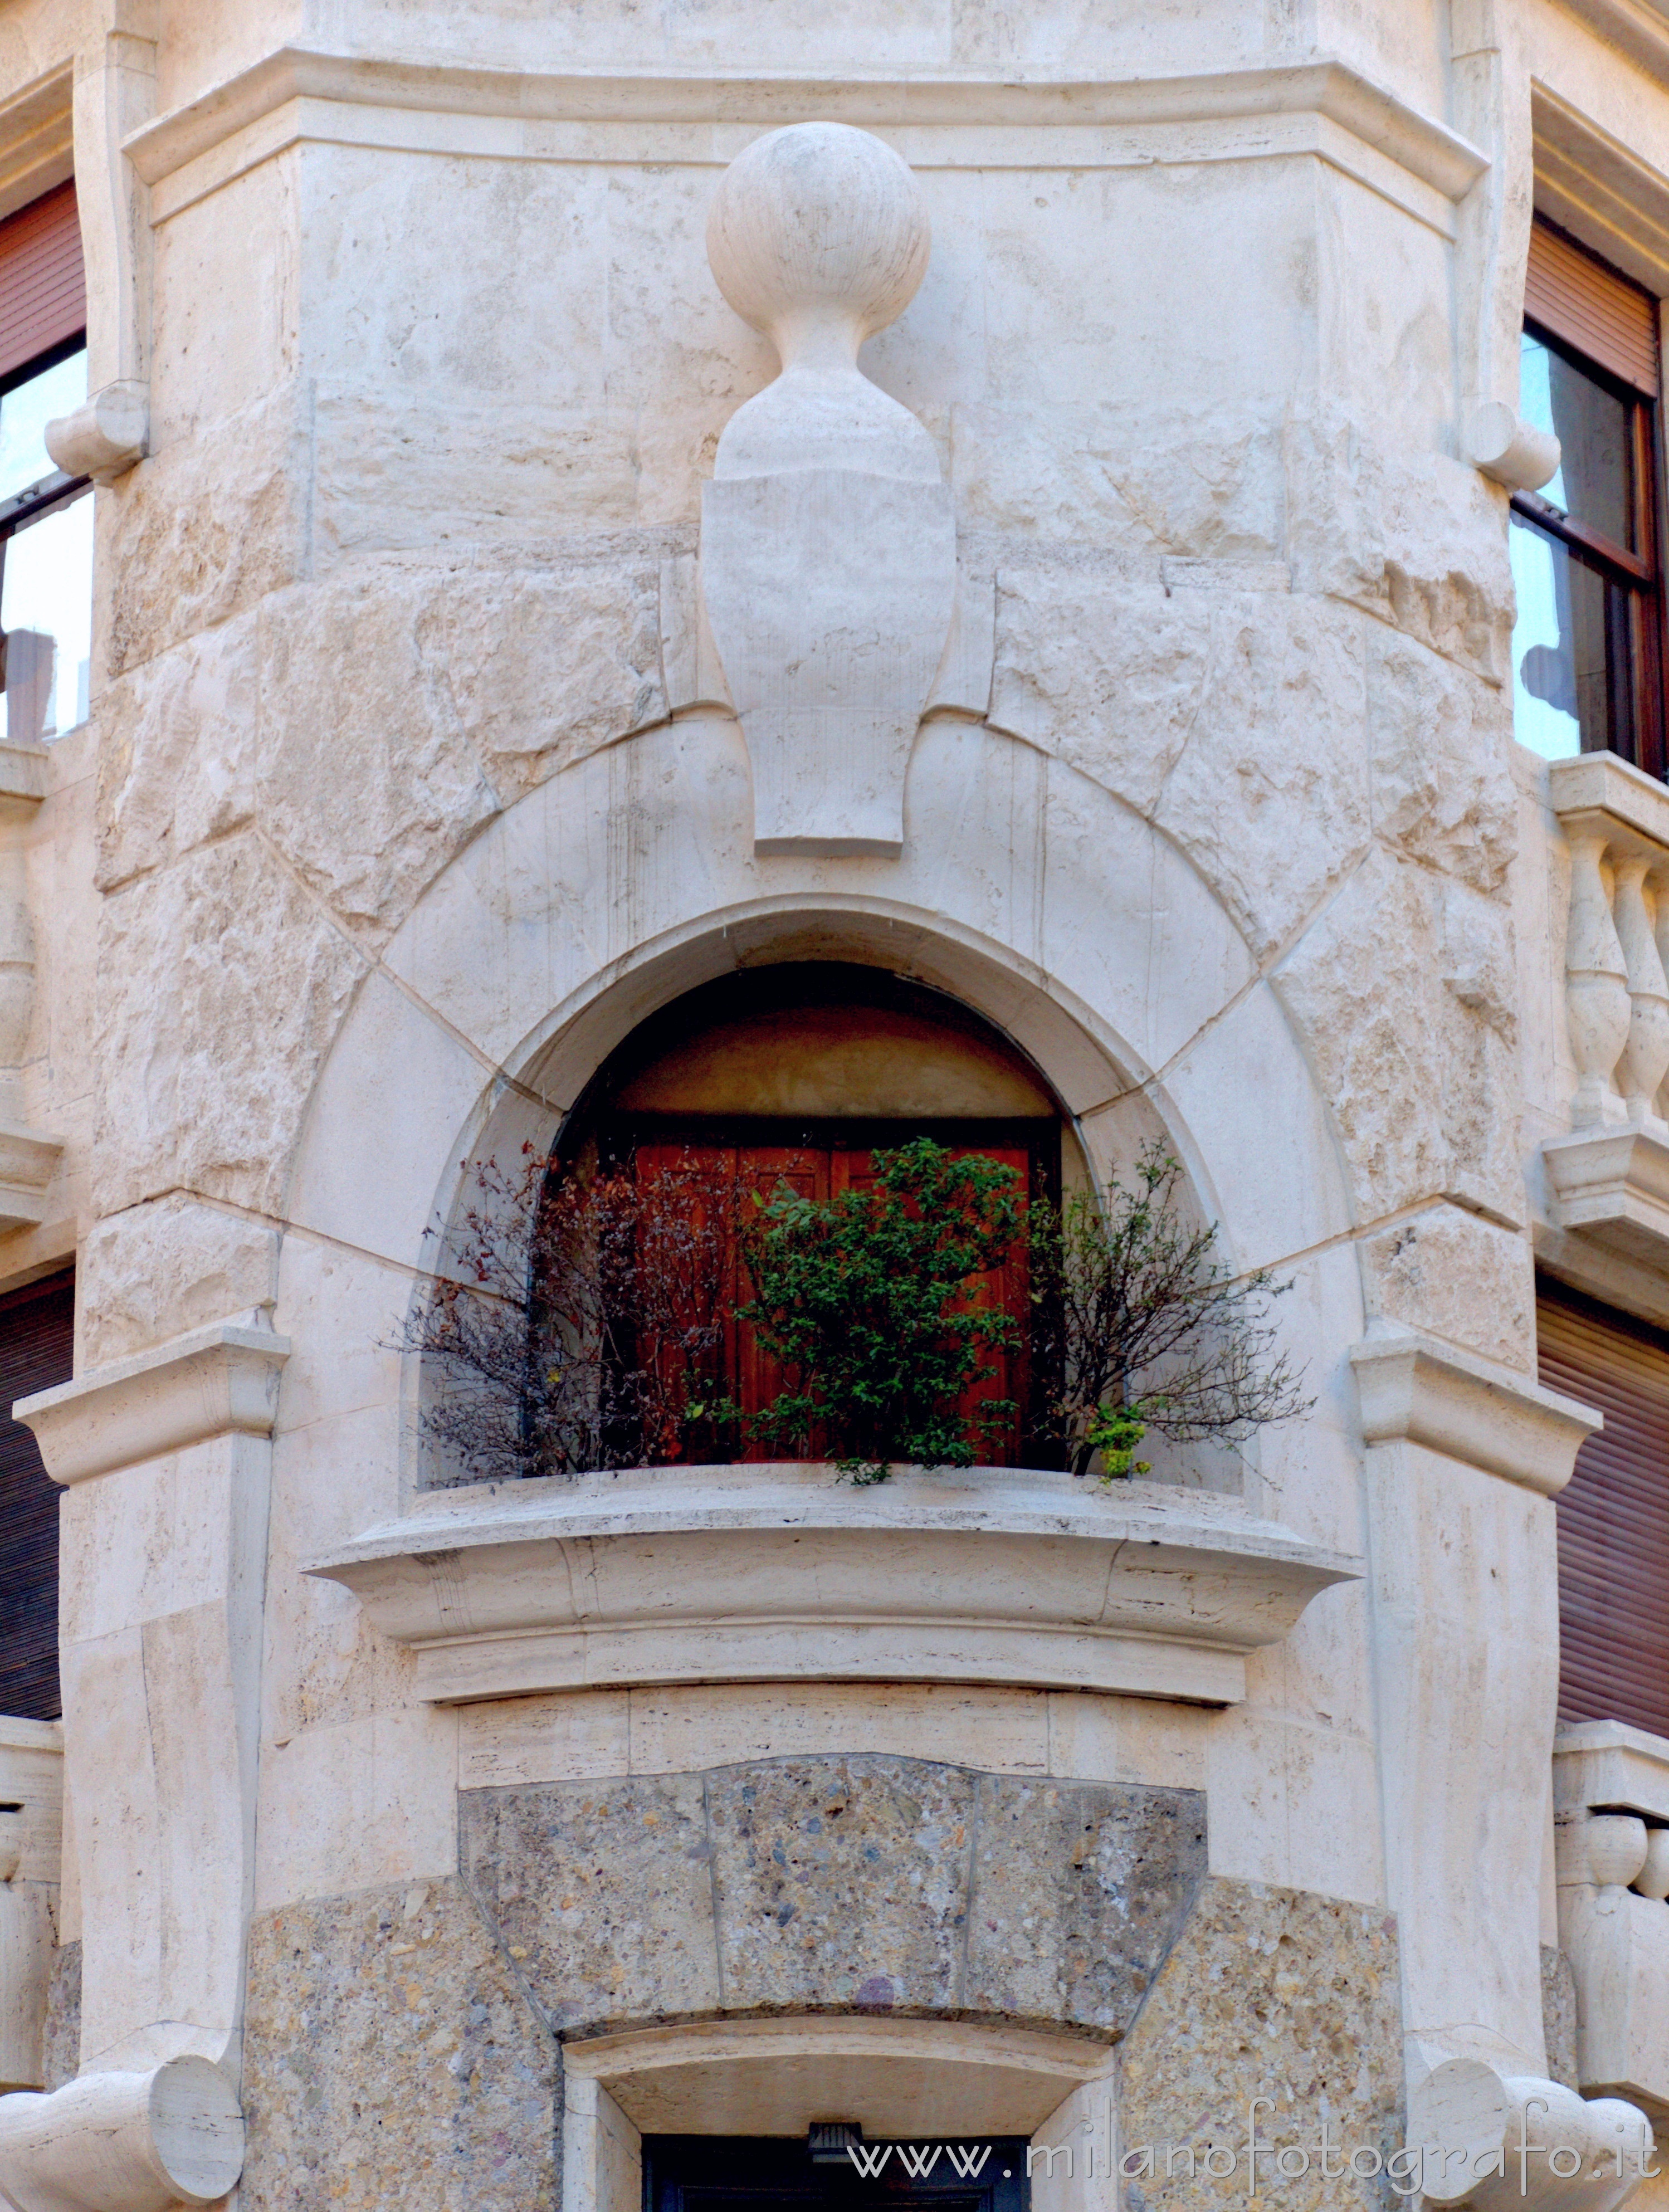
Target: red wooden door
<point>753,1377</point>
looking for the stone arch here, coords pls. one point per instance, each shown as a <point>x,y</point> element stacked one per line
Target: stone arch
<point>1026,891</point>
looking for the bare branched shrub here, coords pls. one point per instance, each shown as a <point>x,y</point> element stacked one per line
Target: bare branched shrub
<point>583,1324</point>
<point>1139,1327</point>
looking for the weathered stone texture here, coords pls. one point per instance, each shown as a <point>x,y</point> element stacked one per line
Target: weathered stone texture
<point>176,751</point>
<point>155,1271</point>
<point>365,780</point>
<point>1448,1272</point>
<point>1270,798</point>
<point>1415,543</point>
<point>391,2056</point>
<point>1082,1946</point>
<point>604,1891</point>
<point>1403,993</point>
<point>1268,1993</point>
<point>1145,480</point>
<point>207,527</point>
<point>61,2045</point>
<point>841,1882</point>
<point>543,667</point>
<point>1108,679</point>
<point>1441,790</point>
<point>1559,2015</point>
<point>225,983</point>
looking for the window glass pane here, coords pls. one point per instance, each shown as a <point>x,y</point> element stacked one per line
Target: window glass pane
<point>25,411</point>
<point>47,613</point>
<point>1563,685</point>
<point>1594,482</point>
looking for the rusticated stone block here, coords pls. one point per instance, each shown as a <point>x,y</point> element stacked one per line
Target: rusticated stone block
<point>60,2048</point>
<point>602,1890</point>
<point>1271,1994</point>
<point>1120,1867</point>
<point>842,1882</point>
<point>391,2057</point>
<point>869,1883</point>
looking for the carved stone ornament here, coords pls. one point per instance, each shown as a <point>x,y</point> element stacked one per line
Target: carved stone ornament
<point>828,555</point>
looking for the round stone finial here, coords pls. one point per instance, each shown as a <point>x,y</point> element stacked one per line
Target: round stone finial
<point>820,220</point>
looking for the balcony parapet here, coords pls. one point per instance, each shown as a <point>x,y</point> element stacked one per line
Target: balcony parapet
<point>1610,1177</point>
<point>1611,1797</point>
<point>703,1574</point>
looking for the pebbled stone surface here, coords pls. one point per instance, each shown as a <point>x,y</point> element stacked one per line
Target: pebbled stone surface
<point>61,2045</point>
<point>1275,1994</point>
<point>603,1894</point>
<point>391,2056</point>
<point>1082,1945</point>
<point>875,1883</point>
<point>1559,1986</point>
<point>842,1882</point>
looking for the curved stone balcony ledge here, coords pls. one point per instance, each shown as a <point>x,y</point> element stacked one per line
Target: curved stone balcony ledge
<point>727,1574</point>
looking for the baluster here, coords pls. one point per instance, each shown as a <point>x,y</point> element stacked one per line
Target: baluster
<point>1596,1007</point>
<point>1645,1060</point>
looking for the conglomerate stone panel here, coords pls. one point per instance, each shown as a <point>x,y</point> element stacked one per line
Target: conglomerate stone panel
<point>391,2056</point>
<point>1274,1995</point>
<point>870,1883</point>
<point>61,2045</point>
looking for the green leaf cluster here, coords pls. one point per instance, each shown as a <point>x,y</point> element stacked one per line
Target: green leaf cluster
<point>864,1298</point>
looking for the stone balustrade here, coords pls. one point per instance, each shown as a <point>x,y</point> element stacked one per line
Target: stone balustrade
<point>1609,1176</point>
<point>1612,1808</point>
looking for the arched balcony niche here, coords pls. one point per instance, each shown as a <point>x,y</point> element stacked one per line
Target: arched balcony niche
<point>703,1572</point>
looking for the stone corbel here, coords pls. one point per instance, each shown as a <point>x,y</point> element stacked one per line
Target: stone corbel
<point>104,437</point>
<point>1493,2139</point>
<point>829,554</point>
<point>161,1683</point>
<point>1417,1390</point>
<point>1491,92</point>
<point>1513,452</point>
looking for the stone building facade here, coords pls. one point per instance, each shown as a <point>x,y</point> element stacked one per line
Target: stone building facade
<point>517,619</point>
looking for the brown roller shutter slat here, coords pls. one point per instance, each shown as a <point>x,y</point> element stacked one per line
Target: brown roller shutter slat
<point>1591,308</point>
<point>1614,1517</point>
<point>43,286</point>
<point>37,1334</point>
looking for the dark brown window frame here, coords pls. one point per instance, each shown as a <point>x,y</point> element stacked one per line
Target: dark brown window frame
<point>1635,672</point>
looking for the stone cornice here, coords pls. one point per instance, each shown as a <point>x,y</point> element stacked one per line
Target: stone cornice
<point>1598,188</point>
<point>1608,1764</point>
<point>1612,1183</point>
<point>772,1572</point>
<point>1416,1391</point>
<point>1598,791</point>
<point>219,1380</point>
<point>332,85</point>
<point>37,131</point>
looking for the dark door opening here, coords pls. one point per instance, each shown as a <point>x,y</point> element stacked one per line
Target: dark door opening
<point>769,2173</point>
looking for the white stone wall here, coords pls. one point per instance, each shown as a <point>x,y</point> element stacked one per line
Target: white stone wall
<point>388,823</point>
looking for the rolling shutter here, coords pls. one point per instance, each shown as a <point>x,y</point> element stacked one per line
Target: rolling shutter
<point>36,1332</point>
<point>1578,299</point>
<point>1613,1519</point>
<point>43,286</point>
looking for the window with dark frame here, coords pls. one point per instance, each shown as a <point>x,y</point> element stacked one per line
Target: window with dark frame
<point>45,516</point>
<point>1587,643</point>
